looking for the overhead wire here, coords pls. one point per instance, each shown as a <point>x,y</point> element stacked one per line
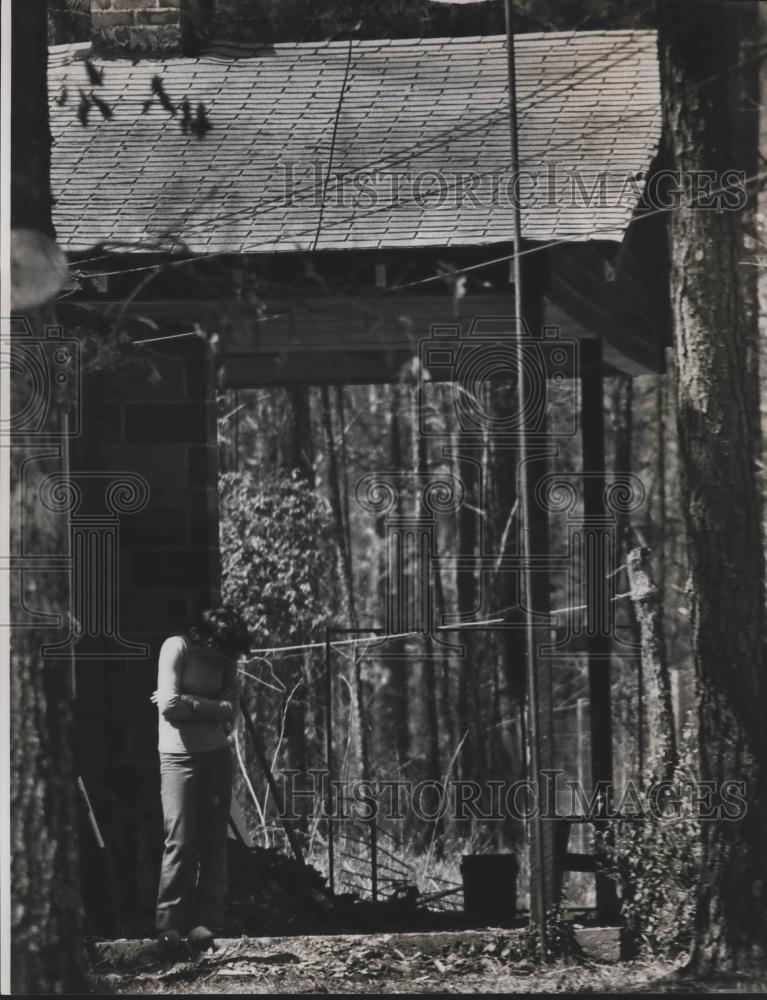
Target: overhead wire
<point>336,121</point>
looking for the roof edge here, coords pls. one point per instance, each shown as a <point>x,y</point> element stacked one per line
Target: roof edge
<point>530,36</point>
<point>62,55</point>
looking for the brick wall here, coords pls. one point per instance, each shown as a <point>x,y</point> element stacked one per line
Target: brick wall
<point>148,27</point>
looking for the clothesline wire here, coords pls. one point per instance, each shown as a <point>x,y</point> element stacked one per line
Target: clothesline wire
<point>263,654</point>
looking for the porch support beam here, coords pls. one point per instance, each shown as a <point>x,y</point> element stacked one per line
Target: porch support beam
<point>598,638</point>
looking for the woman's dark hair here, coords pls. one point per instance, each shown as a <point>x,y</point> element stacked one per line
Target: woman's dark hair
<point>221,628</point>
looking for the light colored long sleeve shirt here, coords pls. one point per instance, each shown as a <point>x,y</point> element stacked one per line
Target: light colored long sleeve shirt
<point>197,697</point>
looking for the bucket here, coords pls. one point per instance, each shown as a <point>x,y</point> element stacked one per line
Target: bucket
<point>490,889</point>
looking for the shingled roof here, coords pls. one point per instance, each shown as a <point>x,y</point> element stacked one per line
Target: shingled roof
<point>588,109</point>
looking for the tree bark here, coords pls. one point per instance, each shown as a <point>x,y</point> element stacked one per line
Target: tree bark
<point>421,468</point>
<point>337,503</point>
<point>46,955</point>
<point>661,733</point>
<point>399,667</point>
<point>468,469</point>
<point>762,271</point>
<point>300,444</point>
<point>629,711</point>
<point>707,97</point>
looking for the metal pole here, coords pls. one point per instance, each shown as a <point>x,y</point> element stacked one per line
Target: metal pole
<point>105,853</point>
<point>538,885</point>
<point>329,759</point>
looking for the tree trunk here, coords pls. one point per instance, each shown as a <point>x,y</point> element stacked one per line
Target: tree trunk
<point>661,734</point>
<point>710,127</point>
<point>622,429</point>
<point>398,666</point>
<point>629,711</point>
<point>336,489</point>
<point>447,717</point>
<point>46,955</point>
<point>505,529</point>
<point>468,468</point>
<point>762,271</point>
<point>300,444</point>
<point>421,467</point>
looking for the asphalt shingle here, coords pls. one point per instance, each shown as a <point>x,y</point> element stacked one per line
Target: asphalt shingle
<point>421,154</point>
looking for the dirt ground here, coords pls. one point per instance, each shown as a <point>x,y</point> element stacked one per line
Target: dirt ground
<point>483,962</point>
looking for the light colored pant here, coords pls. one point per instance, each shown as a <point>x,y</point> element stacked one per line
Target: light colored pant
<point>196,790</point>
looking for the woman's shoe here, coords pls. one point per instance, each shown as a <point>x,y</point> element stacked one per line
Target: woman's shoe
<point>169,941</point>
<point>199,939</point>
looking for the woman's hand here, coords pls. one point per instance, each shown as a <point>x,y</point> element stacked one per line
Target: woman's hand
<point>187,699</point>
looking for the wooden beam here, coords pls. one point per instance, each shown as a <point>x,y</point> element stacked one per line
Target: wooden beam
<point>621,312</point>
<point>386,326</point>
<point>594,512</point>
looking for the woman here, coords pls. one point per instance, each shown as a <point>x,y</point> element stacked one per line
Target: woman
<point>197,701</point>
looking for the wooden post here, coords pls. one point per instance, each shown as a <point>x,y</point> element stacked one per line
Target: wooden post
<point>593,430</point>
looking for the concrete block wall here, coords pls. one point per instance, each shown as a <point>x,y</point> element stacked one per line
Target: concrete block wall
<point>169,569</point>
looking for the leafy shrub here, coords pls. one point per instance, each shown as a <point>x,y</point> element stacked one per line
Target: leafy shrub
<point>657,863</point>
<point>277,557</point>
<point>560,939</point>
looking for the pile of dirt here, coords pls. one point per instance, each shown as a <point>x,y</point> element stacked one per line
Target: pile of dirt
<point>273,894</point>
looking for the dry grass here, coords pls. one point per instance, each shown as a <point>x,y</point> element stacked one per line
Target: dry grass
<point>474,962</point>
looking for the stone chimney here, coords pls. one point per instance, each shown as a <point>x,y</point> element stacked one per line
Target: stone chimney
<point>154,28</point>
